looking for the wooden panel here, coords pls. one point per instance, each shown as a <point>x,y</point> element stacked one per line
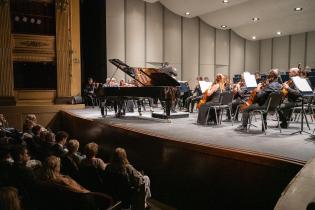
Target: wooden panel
<point>115,35</point>
<point>6,67</point>
<point>297,53</point>
<point>154,33</point>
<point>265,55</point>
<point>237,54</point>
<point>33,48</point>
<point>190,69</point>
<point>63,51</point>
<point>280,53</point>
<point>206,46</point>
<point>190,176</point>
<point>35,97</point>
<point>252,56</point>
<point>173,40</point>
<point>310,59</point>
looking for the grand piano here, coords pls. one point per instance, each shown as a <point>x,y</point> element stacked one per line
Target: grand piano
<point>152,83</point>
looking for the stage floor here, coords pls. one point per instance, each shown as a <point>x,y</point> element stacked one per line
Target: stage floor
<point>299,147</point>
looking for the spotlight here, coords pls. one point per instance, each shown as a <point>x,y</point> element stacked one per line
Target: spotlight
<point>298,9</point>
<point>223,26</point>
<point>254,37</point>
<point>255,19</point>
<point>187,13</point>
<point>279,33</point>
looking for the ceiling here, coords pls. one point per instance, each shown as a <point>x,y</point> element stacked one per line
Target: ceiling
<point>275,15</point>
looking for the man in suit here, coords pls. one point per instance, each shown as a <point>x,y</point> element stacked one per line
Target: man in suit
<point>262,95</point>
<point>59,148</point>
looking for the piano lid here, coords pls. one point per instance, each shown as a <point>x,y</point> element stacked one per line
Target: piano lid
<point>146,76</point>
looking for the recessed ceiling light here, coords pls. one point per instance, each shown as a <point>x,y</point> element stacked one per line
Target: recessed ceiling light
<point>225,1</point>
<point>187,13</point>
<point>223,26</point>
<point>255,19</point>
<point>298,9</point>
<point>279,33</point>
<point>253,37</point>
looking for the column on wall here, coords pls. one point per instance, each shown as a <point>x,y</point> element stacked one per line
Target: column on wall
<point>63,51</point>
<point>6,67</point>
<point>68,50</point>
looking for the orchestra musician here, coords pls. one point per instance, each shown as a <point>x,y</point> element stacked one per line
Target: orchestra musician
<point>262,93</point>
<point>195,98</point>
<point>212,95</point>
<point>89,92</point>
<point>290,94</point>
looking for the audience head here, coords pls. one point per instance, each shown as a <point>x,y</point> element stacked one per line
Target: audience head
<point>120,157</point>
<point>20,154</point>
<point>4,153</point>
<point>31,117</point>
<point>91,150</point>
<point>9,199</point>
<point>294,72</point>
<point>73,146</point>
<point>36,130</point>
<point>28,125</point>
<point>90,80</point>
<point>49,137</point>
<point>51,168</point>
<point>61,137</point>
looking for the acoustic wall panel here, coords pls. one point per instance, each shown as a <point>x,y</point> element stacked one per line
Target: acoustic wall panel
<point>222,47</point>
<point>173,40</point>
<point>280,53</point>
<point>252,56</point>
<point>310,56</point>
<point>190,49</point>
<point>135,33</point>
<point>237,54</point>
<point>297,50</point>
<point>154,33</point>
<point>265,55</point>
<point>206,50</point>
<point>115,35</point>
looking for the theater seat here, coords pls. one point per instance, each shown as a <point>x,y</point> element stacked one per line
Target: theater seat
<point>52,196</point>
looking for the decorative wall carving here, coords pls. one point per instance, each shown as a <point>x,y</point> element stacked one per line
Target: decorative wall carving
<point>33,47</point>
<point>62,4</point>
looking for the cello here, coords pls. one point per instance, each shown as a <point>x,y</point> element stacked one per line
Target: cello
<point>252,96</point>
<point>203,100</point>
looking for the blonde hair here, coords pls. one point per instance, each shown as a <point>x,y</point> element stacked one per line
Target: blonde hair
<point>91,149</point>
<point>73,145</point>
<point>51,168</point>
<point>9,199</point>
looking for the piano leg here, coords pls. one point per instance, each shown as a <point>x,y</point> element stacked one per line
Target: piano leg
<point>139,106</point>
<point>168,105</point>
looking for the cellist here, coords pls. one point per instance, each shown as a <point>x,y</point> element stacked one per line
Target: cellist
<point>261,97</point>
<point>212,97</point>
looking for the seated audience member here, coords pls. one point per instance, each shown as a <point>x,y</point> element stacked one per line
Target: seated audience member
<point>3,122</point>
<point>51,172</point>
<point>91,150</point>
<point>5,165</point>
<point>122,179</point>
<point>59,148</point>
<point>9,199</point>
<point>70,163</point>
<point>21,176</point>
<point>47,142</point>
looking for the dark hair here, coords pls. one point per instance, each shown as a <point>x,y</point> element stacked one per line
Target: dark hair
<point>60,136</point>
<point>36,129</point>
<point>17,151</point>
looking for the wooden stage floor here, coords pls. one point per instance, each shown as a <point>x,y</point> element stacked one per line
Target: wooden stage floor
<point>298,147</point>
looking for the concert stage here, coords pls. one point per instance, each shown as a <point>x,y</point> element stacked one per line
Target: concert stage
<point>198,167</point>
<point>298,147</point>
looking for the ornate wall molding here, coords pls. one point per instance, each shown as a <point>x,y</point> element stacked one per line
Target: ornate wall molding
<point>62,4</point>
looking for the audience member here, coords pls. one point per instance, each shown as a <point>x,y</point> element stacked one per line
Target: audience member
<point>91,150</point>
<point>123,179</point>
<point>59,148</point>
<point>9,199</point>
<point>51,172</point>
<point>70,163</point>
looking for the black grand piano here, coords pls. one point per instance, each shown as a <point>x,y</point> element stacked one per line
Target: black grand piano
<point>152,83</point>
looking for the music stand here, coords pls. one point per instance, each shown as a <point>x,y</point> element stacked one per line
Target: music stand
<point>305,91</point>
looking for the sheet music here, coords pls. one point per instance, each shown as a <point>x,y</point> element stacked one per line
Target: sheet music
<point>250,80</point>
<point>204,85</point>
<point>302,84</point>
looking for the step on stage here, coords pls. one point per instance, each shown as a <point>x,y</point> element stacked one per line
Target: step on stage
<point>299,147</point>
